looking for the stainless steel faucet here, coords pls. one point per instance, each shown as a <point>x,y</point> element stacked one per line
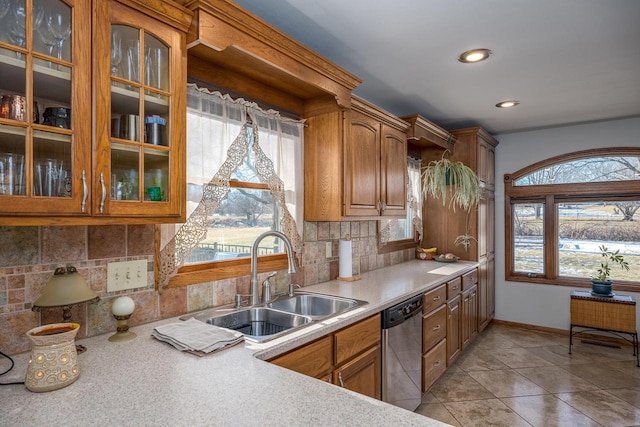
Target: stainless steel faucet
<point>255,299</point>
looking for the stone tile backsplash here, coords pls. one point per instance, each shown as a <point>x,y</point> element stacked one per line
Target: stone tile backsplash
<point>29,256</point>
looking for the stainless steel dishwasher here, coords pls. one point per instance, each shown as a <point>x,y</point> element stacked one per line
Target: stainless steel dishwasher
<point>402,353</point>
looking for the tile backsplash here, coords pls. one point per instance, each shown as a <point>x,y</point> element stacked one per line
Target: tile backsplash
<point>29,256</point>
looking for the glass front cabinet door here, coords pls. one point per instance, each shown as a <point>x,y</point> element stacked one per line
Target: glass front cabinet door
<point>45,107</point>
<point>139,107</point>
<point>92,112</point>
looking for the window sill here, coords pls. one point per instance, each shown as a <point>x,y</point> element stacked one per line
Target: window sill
<point>620,286</point>
<point>220,270</point>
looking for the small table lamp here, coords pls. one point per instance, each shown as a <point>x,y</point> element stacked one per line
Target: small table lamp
<point>122,308</point>
<point>65,288</point>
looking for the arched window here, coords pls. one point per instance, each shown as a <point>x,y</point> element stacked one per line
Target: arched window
<point>559,211</point>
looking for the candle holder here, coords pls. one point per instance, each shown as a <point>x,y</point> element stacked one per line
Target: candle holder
<point>122,308</point>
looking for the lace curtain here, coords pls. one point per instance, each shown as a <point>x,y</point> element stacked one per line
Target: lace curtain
<point>414,204</point>
<point>217,143</point>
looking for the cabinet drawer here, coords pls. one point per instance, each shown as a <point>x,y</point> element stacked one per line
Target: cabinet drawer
<point>434,363</point>
<point>469,279</point>
<point>314,359</point>
<point>434,298</point>
<point>434,327</point>
<point>454,287</point>
<point>354,339</point>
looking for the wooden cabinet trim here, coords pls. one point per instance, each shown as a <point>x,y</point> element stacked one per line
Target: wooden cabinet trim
<point>454,287</point>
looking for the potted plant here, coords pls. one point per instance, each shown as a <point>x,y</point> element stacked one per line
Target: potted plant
<point>601,283</point>
<point>442,178</point>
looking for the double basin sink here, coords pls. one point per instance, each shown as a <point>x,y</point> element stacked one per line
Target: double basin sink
<point>283,315</point>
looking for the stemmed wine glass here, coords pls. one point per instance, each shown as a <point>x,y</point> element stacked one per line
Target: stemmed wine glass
<point>59,25</point>
<point>17,26</point>
<point>4,8</point>
<point>116,51</point>
<point>47,38</point>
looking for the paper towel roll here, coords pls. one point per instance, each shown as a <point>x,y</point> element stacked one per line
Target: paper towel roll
<point>346,263</point>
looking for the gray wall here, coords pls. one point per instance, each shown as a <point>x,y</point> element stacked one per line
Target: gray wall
<point>535,304</point>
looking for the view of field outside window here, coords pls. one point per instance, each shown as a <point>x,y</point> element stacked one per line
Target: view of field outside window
<point>582,226</point>
<point>245,214</point>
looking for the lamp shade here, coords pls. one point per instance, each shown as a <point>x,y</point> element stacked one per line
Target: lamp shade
<point>65,287</point>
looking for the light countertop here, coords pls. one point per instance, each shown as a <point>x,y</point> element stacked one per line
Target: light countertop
<point>147,382</point>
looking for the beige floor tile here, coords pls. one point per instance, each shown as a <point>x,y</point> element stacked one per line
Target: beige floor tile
<point>479,359</point>
<point>519,358</point>
<point>494,341</point>
<point>506,383</point>
<point>603,407</point>
<point>627,366</point>
<point>525,338</point>
<point>485,413</point>
<point>437,411</point>
<point>459,386</point>
<point>603,376</point>
<point>556,380</point>
<point>547,411</point>
<point>429,398</point>
<point>599,353</point>
<point>559,355</point>
<point>627,394</point>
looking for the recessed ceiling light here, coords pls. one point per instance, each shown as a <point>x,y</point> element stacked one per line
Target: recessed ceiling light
<point>507,104</point>
<point>474,55</point>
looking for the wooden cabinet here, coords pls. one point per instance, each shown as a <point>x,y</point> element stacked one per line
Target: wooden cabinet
<point>349,358</point>
<point>64,139</point>
<point>469,325</point>
<point>314,359</point>
<point>139,133</point>
<point>355,164</point>
<point>476,148</point>
<point>434,333</point>
<point>453,329</point>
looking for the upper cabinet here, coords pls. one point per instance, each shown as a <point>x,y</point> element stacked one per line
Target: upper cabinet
<point>92,114</point>
<point>45,111</point>
<point>355,164</point>
<point>481,154</point>
<point>140,114</point>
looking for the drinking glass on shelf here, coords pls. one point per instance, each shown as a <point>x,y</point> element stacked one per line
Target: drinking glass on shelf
<point>116,52</point>
<point>132,61</point>
<point>5,5</point>
<point>47,38</point>
<point>60,26</point>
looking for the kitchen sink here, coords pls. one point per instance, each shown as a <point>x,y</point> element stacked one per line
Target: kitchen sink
<point>314,305</point>
<point>283,315</point>
<point>256,323</point>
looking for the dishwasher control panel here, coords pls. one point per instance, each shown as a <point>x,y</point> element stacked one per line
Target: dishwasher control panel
<point>398,313</point>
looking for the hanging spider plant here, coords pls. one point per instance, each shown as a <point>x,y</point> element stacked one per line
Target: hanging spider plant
<point>441,178</point>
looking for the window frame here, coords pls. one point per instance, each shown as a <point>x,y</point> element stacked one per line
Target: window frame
<point>552,194</point>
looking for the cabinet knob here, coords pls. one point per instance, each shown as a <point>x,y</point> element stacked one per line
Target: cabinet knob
<point>436,364</point>
<point>436,328</point>
<point>437,298</point>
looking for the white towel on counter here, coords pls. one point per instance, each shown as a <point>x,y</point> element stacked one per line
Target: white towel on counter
<point>197,337</point>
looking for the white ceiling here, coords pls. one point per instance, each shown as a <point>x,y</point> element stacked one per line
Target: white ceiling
<point>566,61</point>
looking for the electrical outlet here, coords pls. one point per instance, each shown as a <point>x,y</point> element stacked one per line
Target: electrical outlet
<point>126,275</point>
<point>328,250</point>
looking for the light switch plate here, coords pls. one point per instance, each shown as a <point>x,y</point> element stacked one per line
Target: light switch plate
<point>126,275</point>
<point>328,253</point>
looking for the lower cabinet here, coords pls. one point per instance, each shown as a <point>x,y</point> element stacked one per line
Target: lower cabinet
<point>434,333</point>
<point>349,358</point>
<point>454,346</point>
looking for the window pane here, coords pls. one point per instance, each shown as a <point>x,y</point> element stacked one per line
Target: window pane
<point>596,169</point>
<point>234,226</point>
<point>584,227</point>
<point>528,238</point>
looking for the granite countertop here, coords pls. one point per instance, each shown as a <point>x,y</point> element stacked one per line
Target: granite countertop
<point>147,382</point>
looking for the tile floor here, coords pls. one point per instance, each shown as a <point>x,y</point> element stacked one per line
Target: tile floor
<point>516,377</point>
